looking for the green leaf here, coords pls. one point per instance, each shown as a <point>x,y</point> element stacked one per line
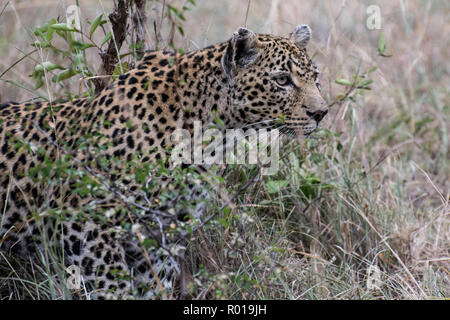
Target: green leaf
<point>106,39</point>
<point>180,29</point>
<point>62,27</point>
<point>381,44</point>
<point>219,122</point>
<point>309,191</point>
<point>176,12</point>
<point>173,9</point>
<point>97,21</point>
<point>37,78</point>
<point>120,68</point>
<point>82,45</point>
<point>224,222</point>
<point>365,83</point>
<point>227,210</point>
<point>66,74</point>
<point>39,32</point>
<point>275,186</point>
<point>344,82</point>
<point>148,243</point>
<point>38,82</point>
<point>47,65</point>
<point>78,60</point>
<point>281,119</point>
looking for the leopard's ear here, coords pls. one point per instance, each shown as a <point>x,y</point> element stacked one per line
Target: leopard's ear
<point>301,35</point>
<point>242,51</point>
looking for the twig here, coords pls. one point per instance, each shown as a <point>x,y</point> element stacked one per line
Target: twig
<point>118,19</point>
<point>139,19</point>
<point>17,61</point>
<point>246,13</point>
<point>4,7</point>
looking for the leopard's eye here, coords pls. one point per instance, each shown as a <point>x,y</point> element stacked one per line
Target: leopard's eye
<point>283,80</point>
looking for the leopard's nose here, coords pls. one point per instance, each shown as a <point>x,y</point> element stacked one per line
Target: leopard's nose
<point>317,115</point>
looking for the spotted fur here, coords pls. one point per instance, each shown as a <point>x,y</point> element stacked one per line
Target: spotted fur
<point>249,81</point>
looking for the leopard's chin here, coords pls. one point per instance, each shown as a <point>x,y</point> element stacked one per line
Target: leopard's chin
<point>303,131</point>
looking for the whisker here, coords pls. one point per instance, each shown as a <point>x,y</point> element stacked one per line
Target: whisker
<point>248,124</point>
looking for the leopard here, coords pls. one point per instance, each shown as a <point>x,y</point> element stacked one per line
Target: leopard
<point>250,80</point>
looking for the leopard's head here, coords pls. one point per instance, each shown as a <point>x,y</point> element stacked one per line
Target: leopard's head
<point>273,80</point>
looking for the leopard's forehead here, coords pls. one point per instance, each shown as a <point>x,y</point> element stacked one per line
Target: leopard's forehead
<point>281,49</point>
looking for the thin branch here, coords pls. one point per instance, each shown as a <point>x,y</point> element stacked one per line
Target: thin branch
<point>17,61</point>
<point>110,57</point>
<point>246,13</point>
<point>139,19</point>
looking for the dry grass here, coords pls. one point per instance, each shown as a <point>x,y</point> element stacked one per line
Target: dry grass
<point>389,206</point>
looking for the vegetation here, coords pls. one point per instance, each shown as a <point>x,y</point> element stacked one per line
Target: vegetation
<point>358,211</point>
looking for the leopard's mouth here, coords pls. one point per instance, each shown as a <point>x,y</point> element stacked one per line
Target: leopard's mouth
<point>300,129</point>
<point>289,127</point>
